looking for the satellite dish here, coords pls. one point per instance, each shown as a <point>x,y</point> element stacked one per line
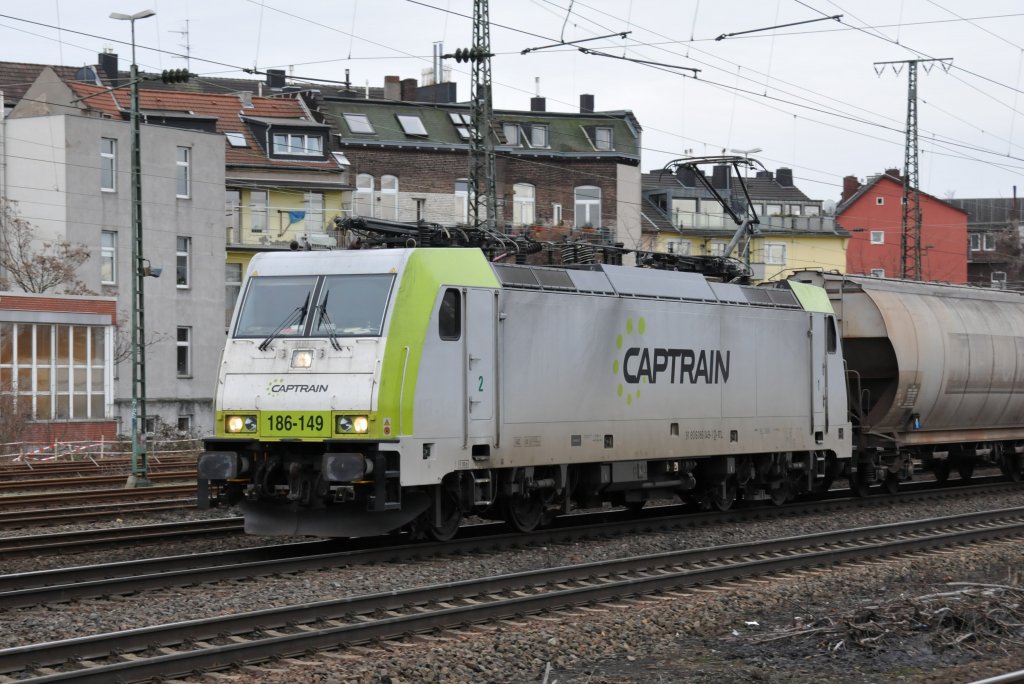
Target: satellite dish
<point>829,207</point>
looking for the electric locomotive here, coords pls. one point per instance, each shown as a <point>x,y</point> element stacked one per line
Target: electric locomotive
<point>366,391</point>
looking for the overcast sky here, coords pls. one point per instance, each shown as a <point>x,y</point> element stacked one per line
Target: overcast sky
<point>807,95</point>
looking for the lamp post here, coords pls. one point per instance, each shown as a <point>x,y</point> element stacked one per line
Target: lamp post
<point>140,463</point>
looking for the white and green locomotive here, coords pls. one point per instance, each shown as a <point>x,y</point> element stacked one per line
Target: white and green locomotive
<point>366,391</point>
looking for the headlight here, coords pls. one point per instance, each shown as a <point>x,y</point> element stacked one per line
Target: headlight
<point>237,424</point>
<point>302,358</point>
<point>358,424</point>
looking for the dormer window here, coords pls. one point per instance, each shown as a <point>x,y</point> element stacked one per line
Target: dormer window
<point>530,135</point>
<point>299,144</point>
<point>359,123</point>
<point>463,124</point>
<point>412,125</point>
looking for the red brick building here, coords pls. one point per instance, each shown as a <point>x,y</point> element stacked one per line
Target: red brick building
<point>873,214</point>
<point>56,367</point>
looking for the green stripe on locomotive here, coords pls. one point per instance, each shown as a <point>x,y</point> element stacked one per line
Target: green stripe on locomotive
<point>424,275</point>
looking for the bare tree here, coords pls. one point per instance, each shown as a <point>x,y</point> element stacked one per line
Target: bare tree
<point>37,266</point>
<point>123,338</point>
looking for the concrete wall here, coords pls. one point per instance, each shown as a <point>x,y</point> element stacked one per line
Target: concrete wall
<point>54,174</point>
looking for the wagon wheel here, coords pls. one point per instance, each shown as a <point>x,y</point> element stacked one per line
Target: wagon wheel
<point>1010,465</point>
<point>523,512</point>
<point>451,513</point>
<point>891,483</point>
<point>966,470</point>
<point>941,470</point>
<point>859,486</point>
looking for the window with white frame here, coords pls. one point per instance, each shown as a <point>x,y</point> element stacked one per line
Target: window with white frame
<point>185,422</point>
<point>232,287</point>
<point>511,132</point>
<point>412,125</point>
<point>587,199</point>
<point>108,257</point>
<point>232,214</point>
<point>108,164</point>
<point>775,253</point>
<point>258,208</point>
<point>773,210</point>
<point>182,258</point>
<point>184,352</point>
<point>523,204</point>
<point>879,200</point>
<point>975,242</point>
<point>988,242</point>
<point>878,237</point>
<point>462,200</point>
<point>681,247</point>
<point>362,198</point>
<point>556,214</point>
<point>999,277</point>
<point>603,138</point>
<point>878,272</point>
<point>716,248</point>
<point>812,210</point>
<point>358,123</point>
<point>55,372</point>
<point>538,135</point>
<point>184,164</point>
<point>314,204</point>
<point>388,203</point>
<point>299,144</point>
<point>463,124</point>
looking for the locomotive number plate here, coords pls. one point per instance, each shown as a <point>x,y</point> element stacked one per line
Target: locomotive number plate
<point>295,424</point>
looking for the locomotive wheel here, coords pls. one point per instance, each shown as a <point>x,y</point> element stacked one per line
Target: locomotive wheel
<point>451,514</point>
<point>779,494</point>
<point>941,470</point>
<point>722,502</point>
<point>523,513</point>
<point>966,470</point>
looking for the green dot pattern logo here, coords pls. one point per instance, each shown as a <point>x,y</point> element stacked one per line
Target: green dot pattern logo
<point>632,329</point>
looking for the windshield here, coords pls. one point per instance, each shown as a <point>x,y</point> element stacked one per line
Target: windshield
<point>353,305</point>
<point>271,302</point>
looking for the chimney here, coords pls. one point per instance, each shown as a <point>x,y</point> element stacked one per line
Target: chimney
<point>409,89</point>
<point>275,78</point>
<point>586,104</point>
<point>766,174</point>
<point>784,177</point>
<point>392,88</point>
<point>895,173</point>
<point>720,177</point>
<point>538,104</point>
<point>686,177</point>
<point>850,187</point>
<point>108,67</point>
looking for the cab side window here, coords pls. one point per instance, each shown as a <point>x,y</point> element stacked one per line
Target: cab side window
<point>830,334</point>
<point>449,316</point>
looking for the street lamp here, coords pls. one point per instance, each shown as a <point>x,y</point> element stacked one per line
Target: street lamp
<point>140,462</point>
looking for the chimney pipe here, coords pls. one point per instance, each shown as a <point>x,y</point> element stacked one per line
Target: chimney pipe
<point>538,104</point>
<point>438,69</point>
<point>720,177</point>
<point>586,104</point>
<point>392,88</point>
<point>275,78</point>
<point>409,86</point>
<point>784,177</point>
<point>108,65</point>
<point>850,187</point>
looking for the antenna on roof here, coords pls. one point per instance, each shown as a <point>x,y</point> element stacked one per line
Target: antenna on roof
<point>187,45</point>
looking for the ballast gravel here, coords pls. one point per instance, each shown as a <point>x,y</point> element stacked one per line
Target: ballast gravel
<point>737,633</point>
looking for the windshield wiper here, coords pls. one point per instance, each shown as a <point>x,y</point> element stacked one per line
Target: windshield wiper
<point>324,318</point>
<point>296,317</point>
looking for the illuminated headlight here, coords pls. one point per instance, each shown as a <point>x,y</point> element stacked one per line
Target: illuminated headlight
<point>356,424</point>
<point>237,424</point>
<point>302,358</point>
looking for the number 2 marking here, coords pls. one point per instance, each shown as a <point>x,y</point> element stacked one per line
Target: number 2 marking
<point>480,387</point>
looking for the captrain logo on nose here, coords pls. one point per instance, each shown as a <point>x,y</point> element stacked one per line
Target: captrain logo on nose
<point>279,386</point>
<point>672,365</point>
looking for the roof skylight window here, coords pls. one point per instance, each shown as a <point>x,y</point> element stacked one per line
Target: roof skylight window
<point>411,124</point>
<point>236,139</point>
<point>359,123</point>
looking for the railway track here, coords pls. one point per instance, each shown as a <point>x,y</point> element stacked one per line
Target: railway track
<point>217,643</point>
<point>89,581</point>
<point>90,481</point>
<point>80,514</point>
<point>13,501</point>
<point>28,469</point>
